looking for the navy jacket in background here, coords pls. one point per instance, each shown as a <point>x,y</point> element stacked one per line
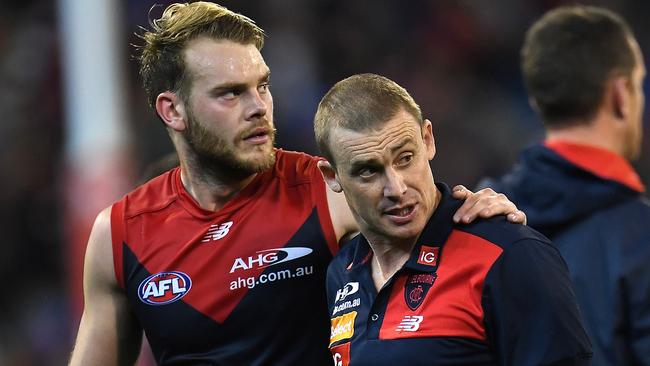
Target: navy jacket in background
<point>602,228</point>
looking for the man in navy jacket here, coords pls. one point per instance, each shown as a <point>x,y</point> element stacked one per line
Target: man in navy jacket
<point>414,288</point>
<point>584,72</point>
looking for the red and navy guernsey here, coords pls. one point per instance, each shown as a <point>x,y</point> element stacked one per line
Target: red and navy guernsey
<point>241,286</point>
<point>488,293</point>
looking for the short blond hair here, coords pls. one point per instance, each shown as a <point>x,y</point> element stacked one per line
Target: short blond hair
<point>161,58</point>
<point>358,103</point>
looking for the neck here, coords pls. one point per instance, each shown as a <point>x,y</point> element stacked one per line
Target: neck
<point>212,186</point>
<point>387,260</point>
<point>389,255</point>
<point>596,133</point>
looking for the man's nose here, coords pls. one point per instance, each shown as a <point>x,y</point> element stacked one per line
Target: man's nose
<point>256,105</point>
<point>394,185</point>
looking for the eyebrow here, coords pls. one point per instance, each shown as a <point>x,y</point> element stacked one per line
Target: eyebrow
<point>239,86</point>
<point>407,140</point>
<point>357,163</point>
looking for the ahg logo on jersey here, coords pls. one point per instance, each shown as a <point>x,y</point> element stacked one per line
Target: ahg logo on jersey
<point>164,288</point>
<point>217,231</point>
<point>270,257</point>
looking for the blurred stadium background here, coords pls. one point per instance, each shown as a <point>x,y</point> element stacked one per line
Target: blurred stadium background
<point>76,132</point>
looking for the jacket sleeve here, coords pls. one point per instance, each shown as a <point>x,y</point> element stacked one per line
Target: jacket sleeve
<point>531,314</point>
<point>634,297</point>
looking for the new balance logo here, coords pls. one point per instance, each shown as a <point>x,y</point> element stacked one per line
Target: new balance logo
<point>410,323</point>
<point>217,232</point>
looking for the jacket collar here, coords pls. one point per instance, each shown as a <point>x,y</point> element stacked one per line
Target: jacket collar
<point>425,255</point>
<point>598,161</point>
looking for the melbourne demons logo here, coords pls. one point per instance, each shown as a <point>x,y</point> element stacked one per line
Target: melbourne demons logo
<point>416,288</point>
<point>164,288</point>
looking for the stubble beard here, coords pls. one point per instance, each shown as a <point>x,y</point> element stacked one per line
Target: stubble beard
<point>212,153</point>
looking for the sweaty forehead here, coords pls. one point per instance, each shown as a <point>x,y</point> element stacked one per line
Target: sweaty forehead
<point>224,61</point>
<point>348,145</point>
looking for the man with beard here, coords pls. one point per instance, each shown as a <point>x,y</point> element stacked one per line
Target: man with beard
<point>415,288</point>
<point>584,73</point>
<point>222,260</point>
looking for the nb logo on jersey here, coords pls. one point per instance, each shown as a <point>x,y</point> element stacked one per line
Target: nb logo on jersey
<point>164,288</point>
<point>410,323</point>
<point>217,232</point>
<point>349,289</point>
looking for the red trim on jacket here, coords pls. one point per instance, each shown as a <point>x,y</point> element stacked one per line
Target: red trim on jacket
<point>453,306</point>
<point>598,161</point>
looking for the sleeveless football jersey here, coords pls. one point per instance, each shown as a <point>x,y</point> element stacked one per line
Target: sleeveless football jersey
<point>241,286</point>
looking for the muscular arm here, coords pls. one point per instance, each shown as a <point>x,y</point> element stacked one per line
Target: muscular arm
<point>108,333</point>
<point>344,225</point>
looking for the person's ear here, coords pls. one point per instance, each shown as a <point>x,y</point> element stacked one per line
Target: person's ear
<point>329,175</point>
<point>429,140</point>
<point>171,110</point>
<point>620,90</point>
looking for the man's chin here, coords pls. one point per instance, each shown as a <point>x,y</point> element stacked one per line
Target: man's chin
<point>259,162</point>
<point>401,232</point>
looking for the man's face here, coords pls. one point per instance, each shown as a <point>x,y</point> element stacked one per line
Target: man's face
<point>229,113</point>
<point>386,178</point>
<point>634,131</point>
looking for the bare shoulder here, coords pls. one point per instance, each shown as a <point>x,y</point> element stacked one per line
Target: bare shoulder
<point>344,224</point>
<point>108,333</point>
<point>99,253</point>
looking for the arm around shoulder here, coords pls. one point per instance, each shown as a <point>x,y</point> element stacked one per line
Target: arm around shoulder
<point>108,332</point>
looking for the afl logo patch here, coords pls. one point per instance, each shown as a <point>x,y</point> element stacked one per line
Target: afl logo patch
<point>164,288</point>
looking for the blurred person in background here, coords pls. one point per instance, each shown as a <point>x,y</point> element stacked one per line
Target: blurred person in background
<point>415,288</point>
<point>223,259</point>
<point>584,71</point>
